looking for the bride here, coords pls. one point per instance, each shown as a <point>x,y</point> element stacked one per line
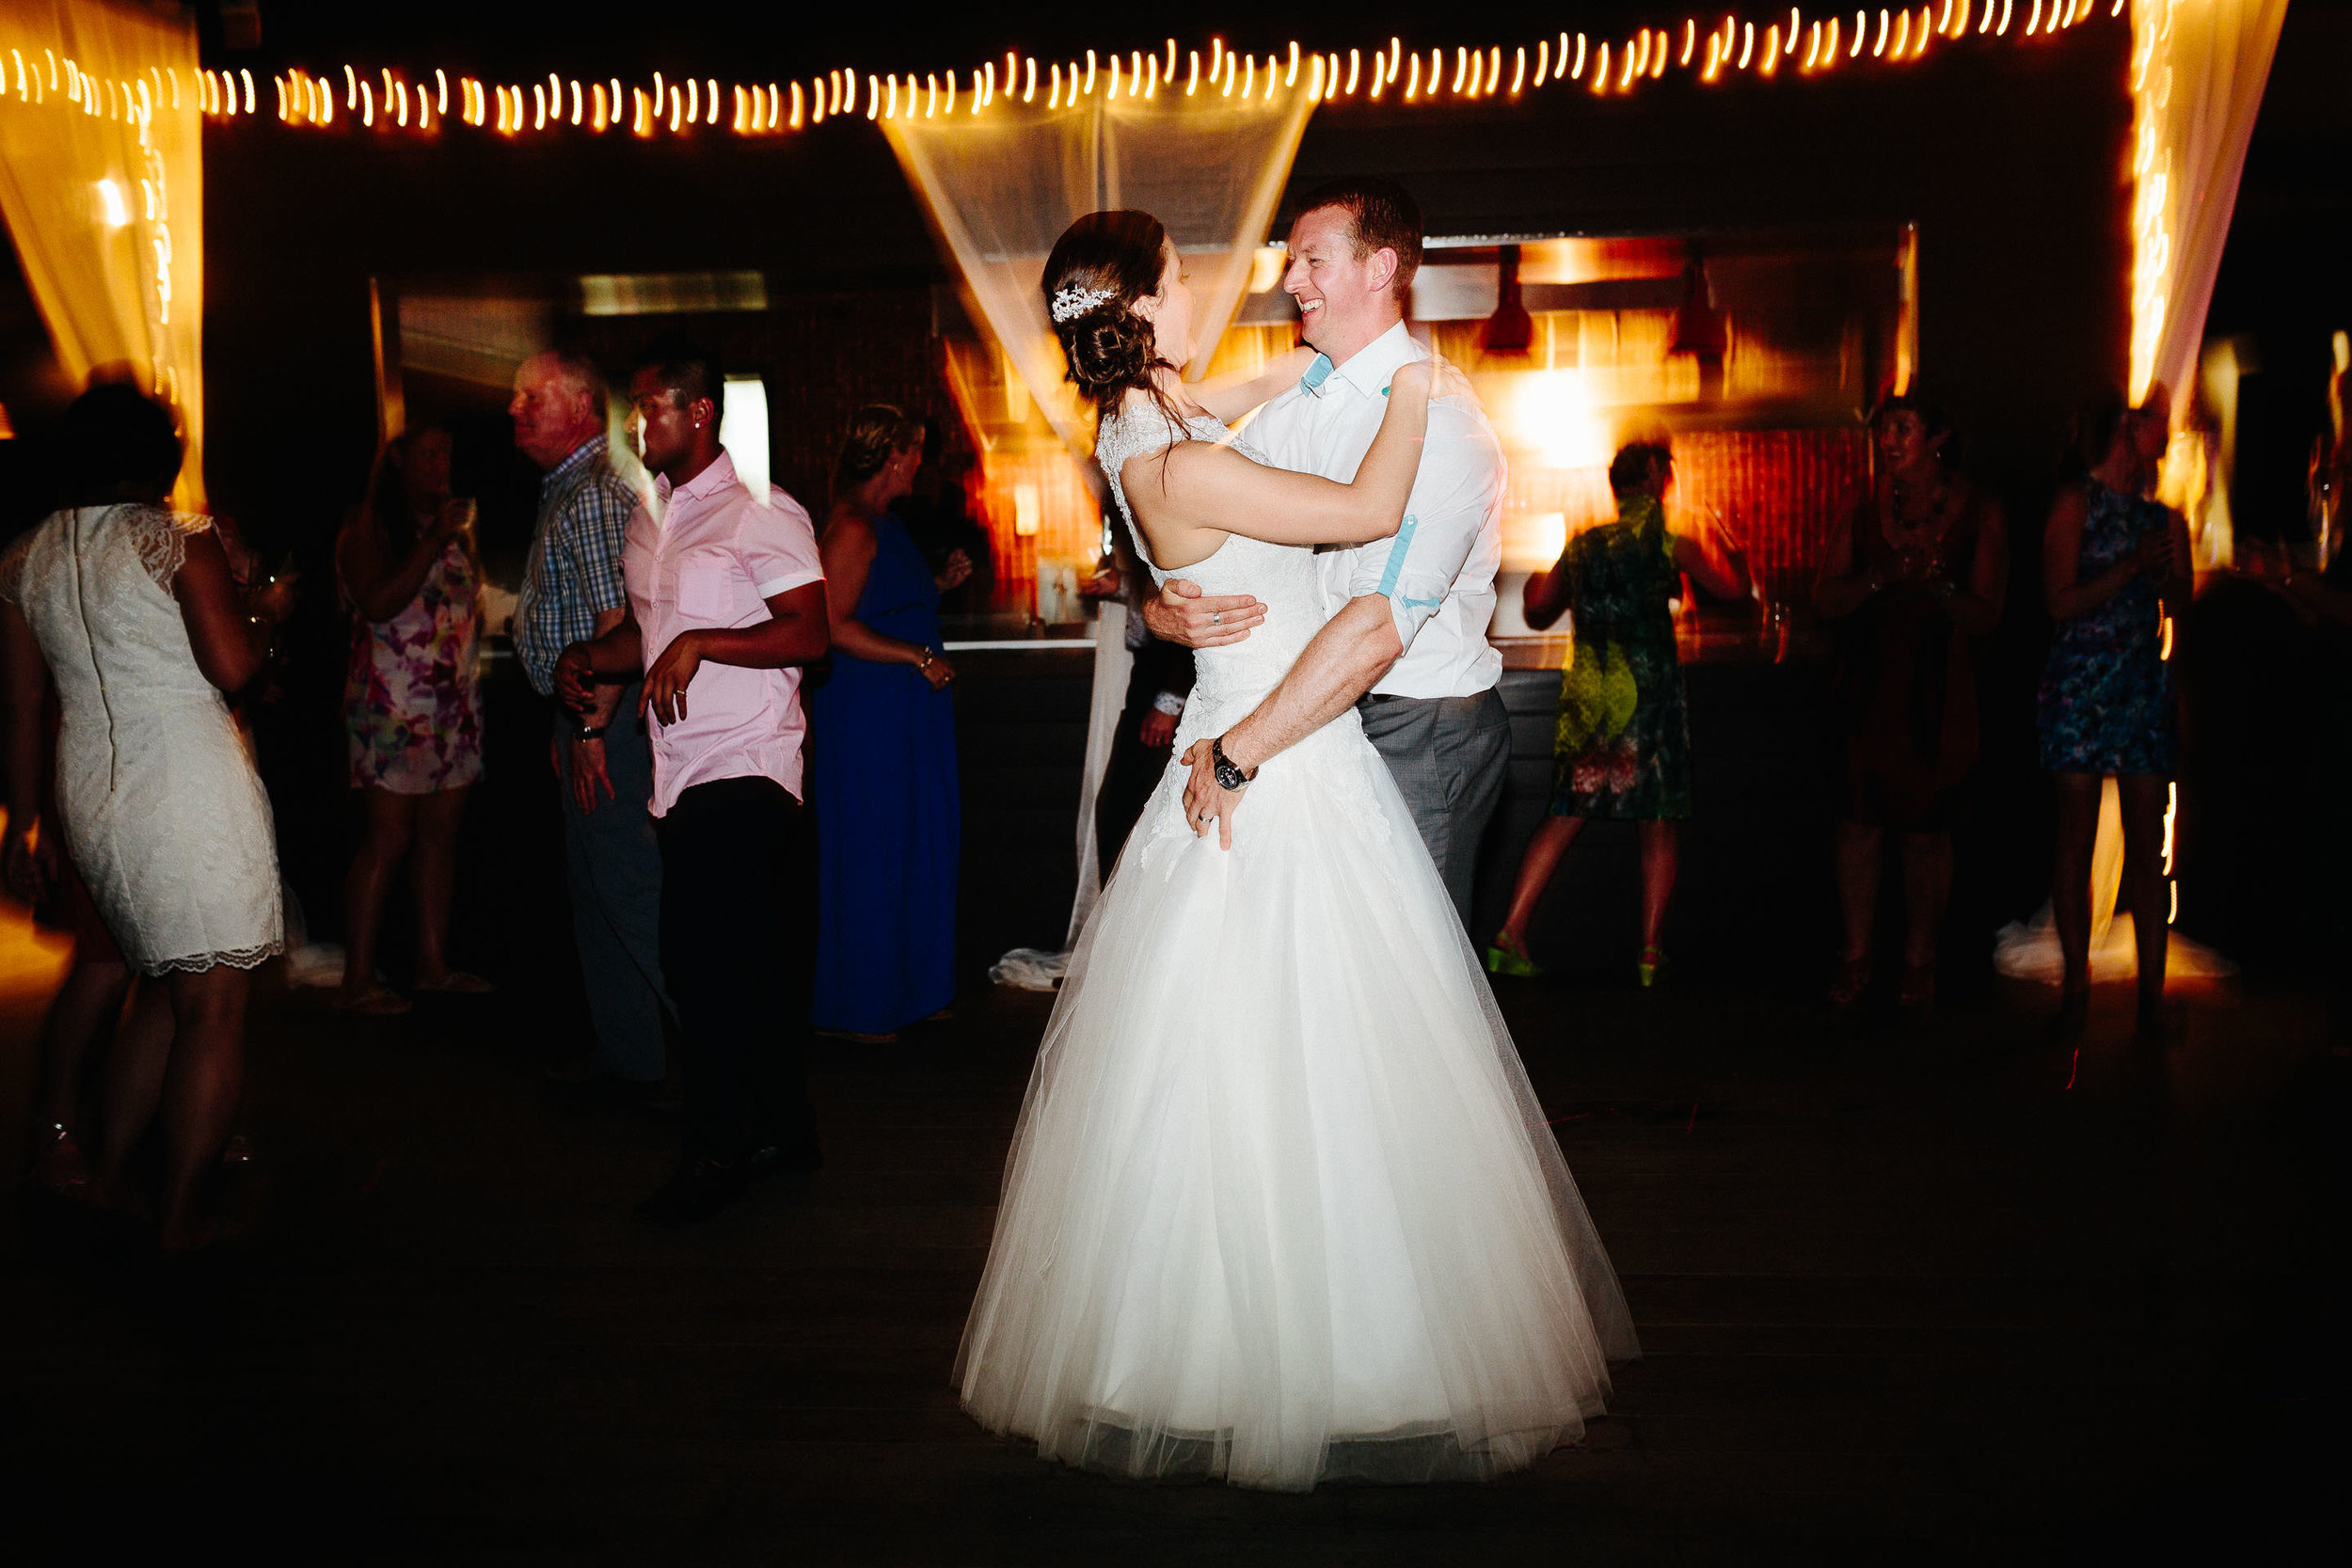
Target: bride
<point>1282,1205</point>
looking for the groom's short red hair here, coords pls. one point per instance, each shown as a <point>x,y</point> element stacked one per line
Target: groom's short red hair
<point>1383,216</point>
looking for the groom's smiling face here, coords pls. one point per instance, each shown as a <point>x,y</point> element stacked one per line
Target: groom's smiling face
<point>1345,299</point>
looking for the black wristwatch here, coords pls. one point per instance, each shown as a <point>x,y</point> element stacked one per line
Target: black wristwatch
<point>1228,776</point>
<point>589,732</point>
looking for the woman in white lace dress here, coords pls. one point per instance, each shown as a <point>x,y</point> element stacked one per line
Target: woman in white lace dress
<point>1282,1205</point>
<point>135,616</point>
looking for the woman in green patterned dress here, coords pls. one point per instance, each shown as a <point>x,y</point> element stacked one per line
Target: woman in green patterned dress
<point>1623,748</point>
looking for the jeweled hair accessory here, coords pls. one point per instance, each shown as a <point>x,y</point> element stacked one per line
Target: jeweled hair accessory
<point>1071,303</point>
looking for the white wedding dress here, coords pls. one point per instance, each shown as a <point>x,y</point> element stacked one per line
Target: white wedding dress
<point>161,810</point>
<point>1282,1205</point>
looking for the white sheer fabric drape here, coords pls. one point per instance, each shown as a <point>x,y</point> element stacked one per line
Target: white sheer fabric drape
<point>1001,185</point>
<point>2197,72</point>
<point>102,189</point>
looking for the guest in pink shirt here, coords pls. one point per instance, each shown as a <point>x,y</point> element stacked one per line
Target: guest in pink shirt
<point>726,604</point>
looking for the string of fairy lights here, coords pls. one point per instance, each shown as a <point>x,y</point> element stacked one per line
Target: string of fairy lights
<point>391,101</point>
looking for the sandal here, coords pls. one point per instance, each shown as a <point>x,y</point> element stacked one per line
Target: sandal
<point>378,1001</point>
<point>1917,991</point>
<point>1853,979</point>
<point>1509,959</point>
<point>1651,968</point>
<point>457,982</point>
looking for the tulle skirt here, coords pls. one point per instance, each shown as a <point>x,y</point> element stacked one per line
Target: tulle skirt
<point>1282,1206</point>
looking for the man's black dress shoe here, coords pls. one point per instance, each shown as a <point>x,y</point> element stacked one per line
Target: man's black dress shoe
<point>700,1189</point>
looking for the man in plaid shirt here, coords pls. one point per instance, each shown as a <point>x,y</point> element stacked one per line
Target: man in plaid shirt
<point>572,592</point>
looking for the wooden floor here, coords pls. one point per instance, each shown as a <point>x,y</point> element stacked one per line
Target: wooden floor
<point>1908,1294</point>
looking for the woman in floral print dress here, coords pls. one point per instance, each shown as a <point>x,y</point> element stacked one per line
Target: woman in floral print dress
<point>2114,566</point>
<point>1624,746</point>
<point>411,704</point>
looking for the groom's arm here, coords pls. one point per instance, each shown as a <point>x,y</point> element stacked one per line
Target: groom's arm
<point>1347,657</point>
<point>1394,592</point>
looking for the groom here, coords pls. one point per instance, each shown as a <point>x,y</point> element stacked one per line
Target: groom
<point>1407,647</point>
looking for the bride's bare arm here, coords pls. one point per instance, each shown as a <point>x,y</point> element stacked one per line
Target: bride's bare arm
<point>1236,392</point>
<point>1190,499</point>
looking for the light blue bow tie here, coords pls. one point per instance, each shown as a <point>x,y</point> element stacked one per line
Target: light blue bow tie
<point>1317,374</point>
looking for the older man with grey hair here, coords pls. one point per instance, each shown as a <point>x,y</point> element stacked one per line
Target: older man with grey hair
<point>572,592</point>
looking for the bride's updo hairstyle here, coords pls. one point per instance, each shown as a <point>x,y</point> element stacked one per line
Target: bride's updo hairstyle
<point>1102,264</point>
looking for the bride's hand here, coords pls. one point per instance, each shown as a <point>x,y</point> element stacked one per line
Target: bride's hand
<point>1413,379</point>
<point>1434,377</point>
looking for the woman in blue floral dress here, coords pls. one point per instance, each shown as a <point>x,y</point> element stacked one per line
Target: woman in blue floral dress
<point>411,705</point>
<point>1622,749</point>
<point>2113,570</point>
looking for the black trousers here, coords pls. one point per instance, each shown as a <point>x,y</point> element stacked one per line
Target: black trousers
<point>1131,775</point>
<point>739,951</point>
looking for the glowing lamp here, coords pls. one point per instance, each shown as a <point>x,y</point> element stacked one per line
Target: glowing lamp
<point>1028,510</point>
<point>112,210</point>
<point>1510,329</point>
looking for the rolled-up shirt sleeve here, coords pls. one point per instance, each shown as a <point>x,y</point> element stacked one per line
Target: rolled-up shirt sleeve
<point>778,544</point>
<point>1457,488</point>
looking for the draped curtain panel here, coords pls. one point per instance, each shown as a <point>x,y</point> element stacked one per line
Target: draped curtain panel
<point>2197,72</point>
<point>1001,185</point>
<point>102,189</point>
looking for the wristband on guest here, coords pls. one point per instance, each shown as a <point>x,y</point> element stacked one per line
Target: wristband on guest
<point>589,732</point>
<point>925,663</point>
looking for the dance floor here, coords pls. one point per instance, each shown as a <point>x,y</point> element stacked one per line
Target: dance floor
<point>1909,1293</point>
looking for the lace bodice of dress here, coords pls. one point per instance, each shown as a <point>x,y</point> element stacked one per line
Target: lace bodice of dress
<point>1281,576</point>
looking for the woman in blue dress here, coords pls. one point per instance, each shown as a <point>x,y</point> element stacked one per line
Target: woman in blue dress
<point>2114,567</point>
<point>883,752</point>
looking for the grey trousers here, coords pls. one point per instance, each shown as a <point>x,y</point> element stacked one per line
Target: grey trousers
<point>615,874</point>
<point>1448,755</point>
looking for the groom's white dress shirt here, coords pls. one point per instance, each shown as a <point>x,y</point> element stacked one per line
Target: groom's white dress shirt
<point>1439,573</point>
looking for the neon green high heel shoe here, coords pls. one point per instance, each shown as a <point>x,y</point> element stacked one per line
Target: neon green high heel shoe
<point>1651,966</point>
<point>1511,962</point>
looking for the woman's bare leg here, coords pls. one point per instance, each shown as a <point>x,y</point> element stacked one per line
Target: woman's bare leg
<point>433,877</point>
<point>390,820</point>
<point>2143,798</point>
<point>2070,879</point>
<point>1661,860</point>
<point>1552,837</point>
<point>1927,891</point>
<point>1858,858</point>
<point>200,1091</point>
<point>134,1086</point>
<point>90,998</point>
